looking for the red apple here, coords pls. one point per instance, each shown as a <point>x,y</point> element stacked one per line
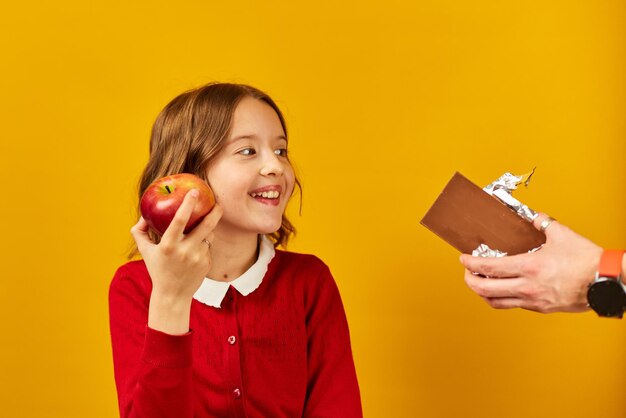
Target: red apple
<point>163,197</point>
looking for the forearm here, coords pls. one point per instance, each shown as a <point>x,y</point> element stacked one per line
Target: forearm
<point>169,314</point>
<point>153,369</point>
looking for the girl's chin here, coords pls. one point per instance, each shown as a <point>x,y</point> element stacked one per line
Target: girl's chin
<point>258,228</point>
<point>269,229</point>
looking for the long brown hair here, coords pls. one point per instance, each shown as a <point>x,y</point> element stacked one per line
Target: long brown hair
<point>191,130</point>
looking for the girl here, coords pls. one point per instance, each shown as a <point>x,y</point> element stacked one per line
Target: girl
<point>218,322</point>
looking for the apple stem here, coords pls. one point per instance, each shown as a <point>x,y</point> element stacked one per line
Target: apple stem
<point>168,189</point>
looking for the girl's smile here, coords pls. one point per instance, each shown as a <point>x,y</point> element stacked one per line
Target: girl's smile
<point>268,195</point>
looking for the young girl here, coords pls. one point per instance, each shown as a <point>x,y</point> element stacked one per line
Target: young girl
<point>218,322</point>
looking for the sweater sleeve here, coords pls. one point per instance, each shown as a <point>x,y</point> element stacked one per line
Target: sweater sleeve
<point>153,372</point>
<point>332,387</point>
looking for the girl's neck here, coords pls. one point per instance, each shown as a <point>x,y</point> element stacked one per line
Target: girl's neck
<point>232,255</point>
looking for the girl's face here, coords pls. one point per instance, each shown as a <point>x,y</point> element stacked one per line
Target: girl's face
<point>251,176</point>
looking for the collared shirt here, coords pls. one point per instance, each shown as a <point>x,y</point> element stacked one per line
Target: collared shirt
<point>283,351</point>
<point>212,292</point>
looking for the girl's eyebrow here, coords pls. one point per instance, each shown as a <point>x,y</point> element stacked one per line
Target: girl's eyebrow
<point>253,136</point>
<point>240,137</point>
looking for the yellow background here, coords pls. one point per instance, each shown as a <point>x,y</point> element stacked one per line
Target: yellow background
<point>384,101</point>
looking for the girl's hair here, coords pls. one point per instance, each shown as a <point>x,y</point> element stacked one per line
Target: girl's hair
<point>192,129</point>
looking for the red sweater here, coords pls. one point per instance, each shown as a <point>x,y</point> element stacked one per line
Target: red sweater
<point>282,351</point>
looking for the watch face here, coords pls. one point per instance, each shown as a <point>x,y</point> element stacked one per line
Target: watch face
<point>607,297</point>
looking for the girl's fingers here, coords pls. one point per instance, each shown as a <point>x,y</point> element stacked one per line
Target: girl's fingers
<point>179,222</point>
<point>140,226</point>
<point>204,230</point>
<point>139,231</point>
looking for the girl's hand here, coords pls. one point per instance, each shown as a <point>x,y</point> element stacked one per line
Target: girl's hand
<point>552,279</point>
<point>177,265</point>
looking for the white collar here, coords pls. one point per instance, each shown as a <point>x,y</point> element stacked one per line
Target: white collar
<point>212,292</point>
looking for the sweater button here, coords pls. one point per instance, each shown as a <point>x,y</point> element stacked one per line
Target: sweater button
<point>237,393</point>
<point>232,340</point>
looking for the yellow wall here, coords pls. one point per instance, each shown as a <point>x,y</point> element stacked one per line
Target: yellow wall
<point>385,100</point>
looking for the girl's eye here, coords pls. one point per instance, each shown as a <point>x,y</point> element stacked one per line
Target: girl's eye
<point>247,151</point>
<point>281,152</point>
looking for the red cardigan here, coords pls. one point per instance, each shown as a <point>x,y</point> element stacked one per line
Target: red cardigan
<point>282,351</point>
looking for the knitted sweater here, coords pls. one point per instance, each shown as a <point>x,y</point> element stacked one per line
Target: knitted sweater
<point>281,351</point>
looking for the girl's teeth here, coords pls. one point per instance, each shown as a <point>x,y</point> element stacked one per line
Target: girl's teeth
<point>267,195</point>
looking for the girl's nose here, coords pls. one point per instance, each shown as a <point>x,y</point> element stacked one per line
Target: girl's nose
<point>272,165</point>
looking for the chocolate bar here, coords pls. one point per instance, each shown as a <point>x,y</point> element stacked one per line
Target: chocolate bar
<point>465,216</point>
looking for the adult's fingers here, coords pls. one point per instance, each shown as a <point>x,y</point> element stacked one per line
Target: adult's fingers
<point>545,223</point>
<point>505,303</point>
<point>495,288</point>
<point>176,228</point>
<point>509,266</point>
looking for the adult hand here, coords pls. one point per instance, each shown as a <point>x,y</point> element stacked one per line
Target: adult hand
<point>177,264</point>
<point>552,279</point>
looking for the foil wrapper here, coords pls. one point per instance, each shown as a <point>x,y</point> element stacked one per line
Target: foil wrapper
<point>483,250</point>
<point>502,189</point>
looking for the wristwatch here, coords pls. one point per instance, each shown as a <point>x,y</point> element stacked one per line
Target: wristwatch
<point>607,293</point>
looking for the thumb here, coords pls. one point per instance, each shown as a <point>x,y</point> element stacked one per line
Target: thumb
<point>139,231</point>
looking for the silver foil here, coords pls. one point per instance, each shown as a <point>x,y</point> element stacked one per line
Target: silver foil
<point>502,189</point>
<point>483,250</point>
<point>504,186</point>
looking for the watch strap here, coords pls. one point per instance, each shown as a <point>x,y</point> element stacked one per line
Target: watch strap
<point>611,263</point>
